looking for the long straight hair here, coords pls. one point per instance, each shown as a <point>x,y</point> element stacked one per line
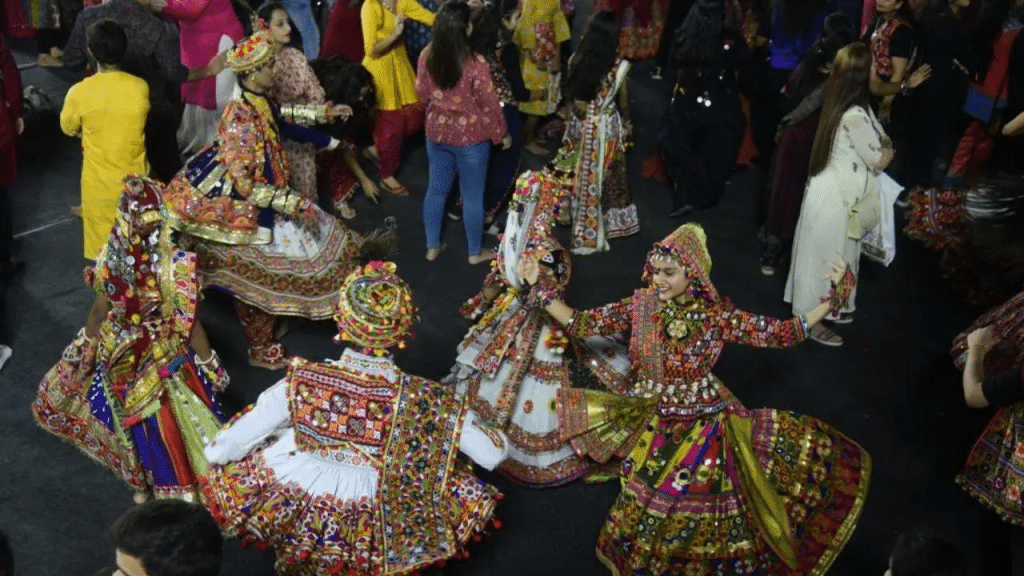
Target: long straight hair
<point>846,87</point>
<point>450,46</point>
<point>594,57</point>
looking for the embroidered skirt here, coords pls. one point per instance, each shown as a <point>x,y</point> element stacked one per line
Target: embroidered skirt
<point>517,400</point>
<point>994,472</point>
<point>733,492</point>
<point>161,450</point>
<point>296,274</point>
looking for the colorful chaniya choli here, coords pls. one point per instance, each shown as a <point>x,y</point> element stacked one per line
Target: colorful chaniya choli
<point>349,467</point>
<point>994,472</point>
<point>641,23</point>
<point>137,398</point>
<point>709,486</point>
<point>249,228</point>
<point>514,359</point>
<point>594,152</point>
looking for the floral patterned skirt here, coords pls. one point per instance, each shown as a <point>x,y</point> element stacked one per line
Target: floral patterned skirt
<point>734,492</point>
<point>297,274</point>
<point>160,453</point>
<point>994,472</point>
<point>936,217</point>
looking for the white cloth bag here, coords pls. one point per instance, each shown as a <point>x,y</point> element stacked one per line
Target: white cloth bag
<point>879,244</point>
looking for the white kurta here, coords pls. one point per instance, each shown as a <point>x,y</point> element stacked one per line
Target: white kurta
<point>821,235</point>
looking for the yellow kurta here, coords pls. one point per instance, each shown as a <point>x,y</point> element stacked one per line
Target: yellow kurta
<point>392,72</point>
<point>539,14</point>
<point>109,110</point>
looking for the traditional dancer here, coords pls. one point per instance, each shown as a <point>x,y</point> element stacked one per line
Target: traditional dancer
<point>349,466</point>
<point>135,390</point>
<point>594,146</point>
<point>514,360</point>
<point>991,351</point>
<point>708,486</point>
<point>259,240</point>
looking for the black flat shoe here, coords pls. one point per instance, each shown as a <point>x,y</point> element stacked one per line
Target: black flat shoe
<point>682,211</point>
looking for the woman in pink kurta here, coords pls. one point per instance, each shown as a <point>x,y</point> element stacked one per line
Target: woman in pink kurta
<point>208,27</point>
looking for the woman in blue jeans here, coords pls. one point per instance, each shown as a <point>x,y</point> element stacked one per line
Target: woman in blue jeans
<point>463,117</point>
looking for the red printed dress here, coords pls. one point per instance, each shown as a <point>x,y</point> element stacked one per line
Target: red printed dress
<point>349,467</point>
<point>295,83</point>
<point>709,486</point>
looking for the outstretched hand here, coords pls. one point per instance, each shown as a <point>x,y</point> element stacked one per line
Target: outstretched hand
<point>336,111</point>
<point>919,76</point>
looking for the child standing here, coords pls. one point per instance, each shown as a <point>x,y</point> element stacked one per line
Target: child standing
<point>108,111</point>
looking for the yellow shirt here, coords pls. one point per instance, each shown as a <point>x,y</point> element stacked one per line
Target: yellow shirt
<point>392,72</point>
<point>109,111</point>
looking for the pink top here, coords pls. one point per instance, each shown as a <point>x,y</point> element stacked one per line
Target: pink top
<point>202,24</point>
<point>466,114</point>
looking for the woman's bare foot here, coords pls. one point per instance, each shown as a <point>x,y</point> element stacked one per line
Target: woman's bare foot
<point>480,258</point>
<point>536,149</point>
<point>390,184</point>
<point>433,253</point>
<point>140,497</point>
<point>346,211</point>
<point>49,61</point>
<point>76,211</point>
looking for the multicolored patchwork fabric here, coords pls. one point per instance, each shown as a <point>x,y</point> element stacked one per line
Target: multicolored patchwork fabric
<point>427,504</point>
<point>994,472</point>
<point>332,406</point>
<point>685,509</point>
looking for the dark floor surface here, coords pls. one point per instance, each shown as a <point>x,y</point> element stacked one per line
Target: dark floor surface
<point>891,387</point>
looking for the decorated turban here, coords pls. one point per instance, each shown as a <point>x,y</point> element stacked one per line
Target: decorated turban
<point>375,308</point>
<point>688,247</point>
<point>252,53</point>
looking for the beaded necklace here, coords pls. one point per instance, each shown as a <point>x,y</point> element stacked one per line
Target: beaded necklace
<point>682,320</point>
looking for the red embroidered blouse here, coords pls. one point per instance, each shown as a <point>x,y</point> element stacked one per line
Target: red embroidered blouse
<point>678,371</point>
<point>466,114</point>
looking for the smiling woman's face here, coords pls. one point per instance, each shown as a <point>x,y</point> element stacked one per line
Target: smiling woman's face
<point>280,29</point>
<point>669,279</point>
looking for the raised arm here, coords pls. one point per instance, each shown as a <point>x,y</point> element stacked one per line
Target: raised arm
<point>999,390</point>
<point>269,414</point>
<point>416,11</point>
<point>376,42</point>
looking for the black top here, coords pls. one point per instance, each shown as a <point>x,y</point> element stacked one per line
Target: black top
<point>901,43</point>
<point>1006,388</point>
<point>513,73</point>
<point>718,80</point>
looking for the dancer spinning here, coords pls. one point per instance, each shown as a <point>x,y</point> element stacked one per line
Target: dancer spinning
<point>259,240</point>
<point>708,486</point>
<point>135,390</point>
<point>594,147</point>
<point>349,466</point>
<point>513,361</point>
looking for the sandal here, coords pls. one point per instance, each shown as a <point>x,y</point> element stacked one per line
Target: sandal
<point>826,337</point>
<point>435,252</point>
<point>401,190</point>
<point>271,357</point>
<point>842,318</point>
